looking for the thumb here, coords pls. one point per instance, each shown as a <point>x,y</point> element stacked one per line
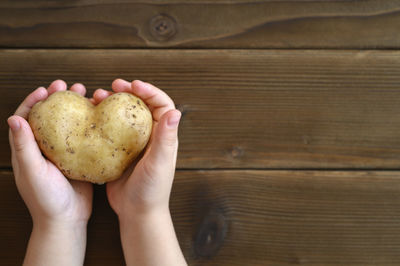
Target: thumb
<point>24,148</point>
<point>164,146</point>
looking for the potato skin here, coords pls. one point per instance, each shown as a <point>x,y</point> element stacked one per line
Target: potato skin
<point>88,142</point>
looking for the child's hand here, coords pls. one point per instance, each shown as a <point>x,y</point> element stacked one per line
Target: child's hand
<point>141,196</point>
<point>60,208</point>
<point>148,186</point>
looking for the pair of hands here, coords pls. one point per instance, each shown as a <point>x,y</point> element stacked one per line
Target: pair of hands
<point>145,188</point>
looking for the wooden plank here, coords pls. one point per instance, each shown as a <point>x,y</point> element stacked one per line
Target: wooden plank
<point>205,24</point>
<point>243,109</point>
<point>250,218</point>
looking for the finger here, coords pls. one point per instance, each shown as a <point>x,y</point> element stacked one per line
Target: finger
<point>25,107</point>
<point>78,88</point>
<point>100,95</point>
<point>120,85</point>
<point>23,145</point>
<point>152,95</point>
<point>163,150</point>
<point>57,85</point>
<point>157,100</point>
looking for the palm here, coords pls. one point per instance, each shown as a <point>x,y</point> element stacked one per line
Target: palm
<point>136,183</point>
<point>45,190</point>
<point>71,195</point>
<point>146,182</point>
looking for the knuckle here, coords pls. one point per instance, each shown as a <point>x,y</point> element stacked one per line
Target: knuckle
<point>171,141</point>
<point>19,146</point>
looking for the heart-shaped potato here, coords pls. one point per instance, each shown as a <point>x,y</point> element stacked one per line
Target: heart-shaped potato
<point>88,142</point>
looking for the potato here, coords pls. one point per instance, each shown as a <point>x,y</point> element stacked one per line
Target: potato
<point>88,142</point>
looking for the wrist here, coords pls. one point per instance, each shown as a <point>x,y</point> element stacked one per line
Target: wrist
<point>148,238</point>
<point>136,217</point>
<point>50,225</point>
<point>61,233</point>
<point>56,243</point>
<point>142,212</point>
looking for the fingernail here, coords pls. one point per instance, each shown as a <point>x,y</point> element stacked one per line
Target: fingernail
<point>173,121</point>
<point>14,124</point>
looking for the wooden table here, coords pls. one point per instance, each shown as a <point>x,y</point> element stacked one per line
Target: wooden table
<point>289,143</point>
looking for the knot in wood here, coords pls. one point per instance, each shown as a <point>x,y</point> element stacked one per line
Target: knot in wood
<point>211,235</point>
<point>163,27</point>
<point>237,152</point>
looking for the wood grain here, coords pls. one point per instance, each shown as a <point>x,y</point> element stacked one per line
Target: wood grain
<point>200,24</point>
<point>250,218</point>
<point>243,109</point>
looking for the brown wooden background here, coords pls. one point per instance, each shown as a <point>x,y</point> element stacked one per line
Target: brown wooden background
<point>289,143</point>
